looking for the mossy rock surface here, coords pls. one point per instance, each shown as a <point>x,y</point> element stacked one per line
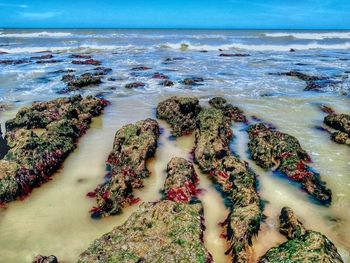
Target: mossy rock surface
<point>269,147</point>
<point>133,145</point>
<point>34,156</point>
<point>303,246</point>
<point>180,113</point>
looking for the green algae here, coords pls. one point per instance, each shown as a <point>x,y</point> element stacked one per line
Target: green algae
<point>133,145</point>
<point>180,113</point>
<point>303,246</point>
<point>32,158</point>
<point>270,148</point>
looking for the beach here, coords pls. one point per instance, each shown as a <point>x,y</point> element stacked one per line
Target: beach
<point>247,67</point>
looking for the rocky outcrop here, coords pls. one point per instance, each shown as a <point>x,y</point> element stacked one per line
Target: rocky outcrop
<point>180,113</point>
<point>234,178</point>
<point>340,122</point>
<point>163,231</point>
<point>133,85</point>
<point>3,145</point>
<point>34,156</point>
<point>181,181</point>
<point>76,83</point>
<point>303,245</point>
<point>87,62</point>
<point>232,112</point>
<point>269,148</point>
<point>192,81</point>
<point>44,259</point>
<point>133,145</point>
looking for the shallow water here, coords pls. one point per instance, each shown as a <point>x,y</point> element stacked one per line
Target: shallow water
<point>54,219</point>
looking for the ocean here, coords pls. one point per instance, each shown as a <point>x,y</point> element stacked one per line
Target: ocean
<point>55,218</point>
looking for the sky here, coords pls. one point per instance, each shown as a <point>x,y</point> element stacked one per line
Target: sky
<point>253,14</point>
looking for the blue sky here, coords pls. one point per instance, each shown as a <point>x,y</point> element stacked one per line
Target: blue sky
<point>290,14</point>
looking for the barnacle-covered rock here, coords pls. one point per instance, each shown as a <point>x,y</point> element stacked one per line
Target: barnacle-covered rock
<point>303,245</point>
<point>32,158</point>
<point>3,145</point>
<point>270,148</point>
<point>340,122</point>
<point>165,231</point>
<point>233,112</point>
<point>44,259</point>
<point>133,145</point>
<point>180,113</point>
<point>235,179</point>
<point>180,184</point>
<point>75,83</point>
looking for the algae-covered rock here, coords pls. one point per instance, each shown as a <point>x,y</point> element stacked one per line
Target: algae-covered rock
<point>133,145</point>
<point>32,158</point>
<point>163,231</point>
<point>340,122</point>
<point>213,135</point>
<point>270,148</point>
<point>3,145</point>
<point>232,112</point>
<point>44,259</point>
<point>180,184</point>
<point>303,245</point>
<point>86,79</point>
<point>180,113</point>
<point>235,179</point>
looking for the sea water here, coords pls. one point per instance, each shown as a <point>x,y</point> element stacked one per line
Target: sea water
<point>55,218</point>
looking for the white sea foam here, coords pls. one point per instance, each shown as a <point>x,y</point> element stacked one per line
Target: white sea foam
<point>36,34</point>
<point>316,36</point>
<point>238,46</point>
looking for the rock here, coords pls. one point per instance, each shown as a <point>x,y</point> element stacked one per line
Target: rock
<point>303,76</point>
<point>340,137</point>
<point>14,62</point>
<point>233,55</point>
<point>48,56</point>
<point>80,56</point>
<point>75,83</point>
<point>163,231</point>
<point>230,111</point>
<point>192,81</point>
<point>184,47</point>
<point>158,75</point>
<point>180,113</point>
<point>44,259</point>
<point>339,122</point>
<point>134,85</point>
<point>3,145</point>
<point>141,68</point>
<point>327,109</point>
<point>167,83</point>
<point>101,71</point>
<point>234,178</point>
<point>270,148</point>
<point>63,71</point>
<point>3,53</point>
<point>31,158</point>
<point>133,145</point>
<point>303,245</point>
<point>167,60</point>
<point>181,181</point>
<point>87,62</point>
<point>292,50</point>
<point>51,61</point>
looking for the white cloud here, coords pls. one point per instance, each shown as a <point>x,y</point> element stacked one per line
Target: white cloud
<point>39,16</point>
<point>13,5</point>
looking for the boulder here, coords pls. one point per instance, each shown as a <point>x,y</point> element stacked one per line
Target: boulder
<point>303,245</point>
<point>180,113</point>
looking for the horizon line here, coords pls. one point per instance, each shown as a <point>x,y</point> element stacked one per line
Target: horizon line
<point>183,28</point>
